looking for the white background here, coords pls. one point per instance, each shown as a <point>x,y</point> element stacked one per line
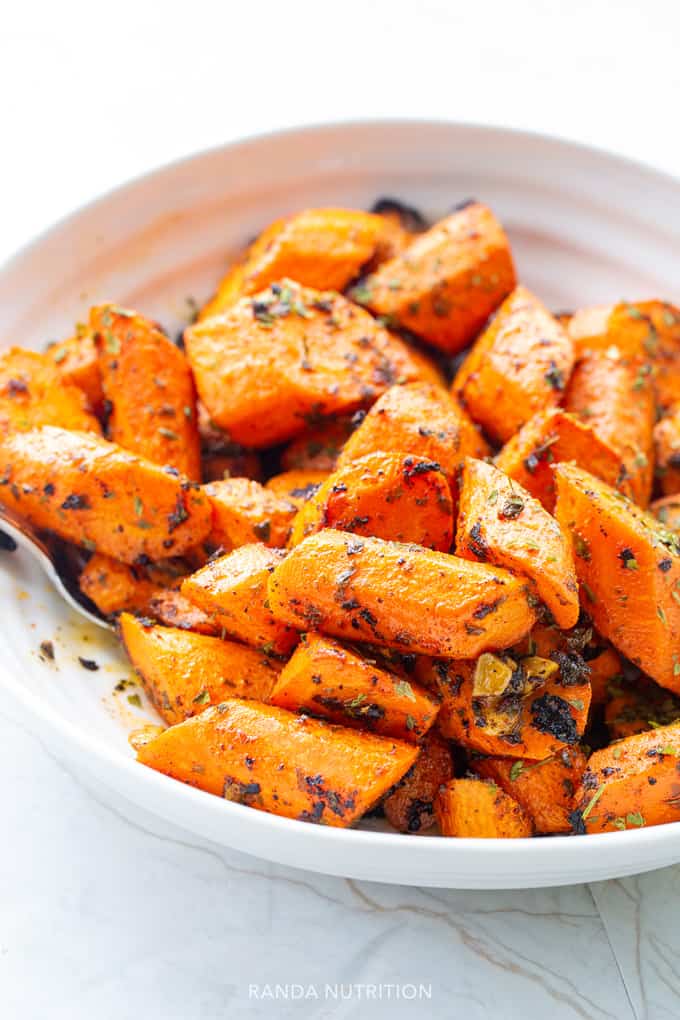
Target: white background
<point>102,917</point>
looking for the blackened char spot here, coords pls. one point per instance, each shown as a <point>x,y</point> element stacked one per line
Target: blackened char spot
<point>552,715</point>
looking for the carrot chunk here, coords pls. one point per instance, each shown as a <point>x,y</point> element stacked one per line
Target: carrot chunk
<point>245,512</point>
<point>100,496</point>
<point>169,607</point>
<point>632,783</point>
<point>185,673</point>
<point>296,486</point>
<point>388,495</point>
<point>477,809</point>
<point>77,362</point>
<point>147,383</point>
<point>275,761</point>
<point>634,706</point>
<point>553,436</point>
<point>421,420</point>
<point>275,363</point>
<point>500,523</point>
<point>329,680</point>
<point>318,448</point>
<point>519,366</point>
<point>115,586</point>
<point>667,447</point>
<point>545,789</point>
<point>628,565</point>
<point>410,806</point>
<point>33,393</point>
<point>448,281</point>
<point>397,595</point>
<point>232,590</point>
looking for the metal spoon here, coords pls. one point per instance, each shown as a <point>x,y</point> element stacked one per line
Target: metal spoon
<point>25,538</point>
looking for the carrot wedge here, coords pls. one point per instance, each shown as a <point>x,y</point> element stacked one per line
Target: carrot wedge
<point>185,673</point>
<point>296,486</point>
<point>393,496</point>
<point>100,496</point>
<point>419,419</point>
<point>447,282</point>
<point>148,384</point>
<point>77,362</point>
<point>628,565</point>
<point>409,807</point>
<point>232,590</point>
<point>477,809</point>
<point>277,362</point>
<point>545,789</point>
<point>245,512</point>
<point>667,446</point>
<point>500,523</point>
<point>114,586</point>
<point>275,761</point>
<point>33,393</point>
<point>397,595</point>
<point>553,436</point>
<point>329,680</point>
<point>519,366</point>
<point>632,783</point>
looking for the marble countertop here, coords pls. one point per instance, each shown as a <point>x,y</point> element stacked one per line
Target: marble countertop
<point>106,912</point>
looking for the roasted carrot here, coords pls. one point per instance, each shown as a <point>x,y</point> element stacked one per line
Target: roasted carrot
<point>614,396</point>
<point>667,450</point>
<point>115,586</point>
<point>185,673</point>
<point>410,806</point>
<point>668,512</point>
<point>448,281</point>
<point>605,668</point>
<point>244,512</point>
<point>500,523</point>
<point>553,436</point>
<point>637,705</point>
<point>232,590</point>
<point>632,783</point>
<point>296,486</point>
<point>168,606</point>
<point>33,393</point>
<point>238,464</point>
<point>77,362</point>
<point>275,363</point>
<point>421,420</point>
<point>335,682</point>
<point>275,761</point>
<point>397,595</point>
<point>321,248</point>
<point>629,568</point>
<point>318,448</point>
<point>394,496</point>
<point>520,365</point>
<point>477,809</point>
<point>147,383</point>
<point>544,789</point>
<point>100,496</point>
<point>515,708</point>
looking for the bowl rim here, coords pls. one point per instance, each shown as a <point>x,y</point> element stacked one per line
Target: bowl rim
<point>491,850</point>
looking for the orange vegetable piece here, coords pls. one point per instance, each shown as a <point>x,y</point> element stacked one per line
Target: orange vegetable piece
<point>115,586</point>
<point>245,512</point>
<point>632,783</point>
<point>170,607</point>
<point>393,496</point>
<point>327,679</point>
<point>475,809</point>
<point>274,364</point>
<point>147,382</point>
<point>400,596</point>
<point>629,568</point>
<point>614,396</point>
<point>296,486</point>
<point>77,362</point>
<point>667,511</point>
<point>634,707</point>
<point>605,668</point>
<point>321,248</point>
<point>275,761</point>
<point>544,789</point>
<point>33,393</point>
<point>537,713</point>
<point>100,496</point>
<point>319,448</point>
<point>232,590</point>
<point>410,806</point>
<point>520,365</point>
<point>667,448</point>
<point>553,436</point>
<point>184,673</point>
<point>500,523</point>
<point>448,281</point>
<point>421,420</point>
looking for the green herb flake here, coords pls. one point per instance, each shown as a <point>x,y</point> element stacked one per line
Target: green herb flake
<point>635,818</point>
<point>59,356</point>
<point>167,433</point>
<point>592,802</point>
<point>410,722</point>
<point>135,700</point>
<point>592,597</point>
<point>202,698</point>
<point>404,688</point>
<point>139,507</point>
<point>516,770</point>
<point>493,497</point>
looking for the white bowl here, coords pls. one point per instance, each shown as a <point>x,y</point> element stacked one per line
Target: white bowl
<point>586,227</point>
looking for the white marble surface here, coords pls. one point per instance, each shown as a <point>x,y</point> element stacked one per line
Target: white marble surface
<point>105,913</point>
